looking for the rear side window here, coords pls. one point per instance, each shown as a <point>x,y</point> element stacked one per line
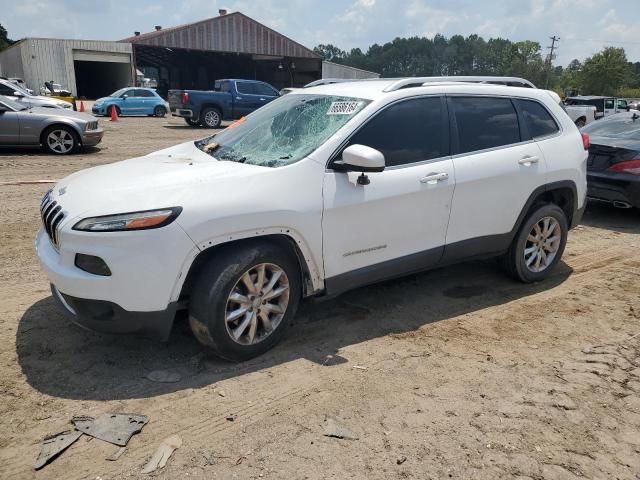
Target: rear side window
<point>484,122</point>
<point>539,121</point>
<point>407,132</point>
<point>246,88</point>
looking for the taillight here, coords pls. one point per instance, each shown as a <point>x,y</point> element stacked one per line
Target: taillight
<point>185,98</point>
<point>586,142</point>
<point>629,166</point>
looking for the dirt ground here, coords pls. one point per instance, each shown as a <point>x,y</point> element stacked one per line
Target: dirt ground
<point>455,373</point>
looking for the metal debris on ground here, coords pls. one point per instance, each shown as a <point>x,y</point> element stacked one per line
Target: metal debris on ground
<point>117,454</point>
<point>162,454</point>
<point>401,460</point>
<point>116,428</point>
<point>334,429</point>
<point>54,445</point>
<point>163,376</point>
<point>232,417</point>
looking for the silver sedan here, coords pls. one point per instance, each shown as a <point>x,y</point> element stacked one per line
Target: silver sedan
<point>59,131</point>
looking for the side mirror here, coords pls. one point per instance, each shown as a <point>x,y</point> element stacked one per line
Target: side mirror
<point>360,158</point>
<point>18,94</point>
<point>124,97</point>
<point>3,109</point>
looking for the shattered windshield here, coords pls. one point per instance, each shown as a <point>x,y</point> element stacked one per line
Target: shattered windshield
<point>283,131</point>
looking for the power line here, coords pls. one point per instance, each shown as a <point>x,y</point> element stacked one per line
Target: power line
<point>553,47</point>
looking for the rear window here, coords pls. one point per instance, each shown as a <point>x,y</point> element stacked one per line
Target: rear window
<point>622,125</point>
<point>538,120</point>
<point>484,122</point>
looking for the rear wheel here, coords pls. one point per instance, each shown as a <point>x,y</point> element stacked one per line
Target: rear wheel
<point>211,118</point>
<point>581,122</point>
<point>159,111</point>
<point>539,244</point>
<point>243,300</point>
<point>192,123</point>
<point>60,140</point>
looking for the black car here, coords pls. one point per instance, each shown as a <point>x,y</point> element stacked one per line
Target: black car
<point>613,167</point>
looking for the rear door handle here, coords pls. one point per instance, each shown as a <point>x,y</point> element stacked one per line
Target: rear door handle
<point>528,161</point>
<point>434,177</point>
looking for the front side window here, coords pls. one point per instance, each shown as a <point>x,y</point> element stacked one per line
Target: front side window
<point>406,132</point>
<point>5,90</point>
<point>484,122</point>
<point>539,122</point>
<point>608,103</point>
<point>283,131</point>
<point>262,89</point>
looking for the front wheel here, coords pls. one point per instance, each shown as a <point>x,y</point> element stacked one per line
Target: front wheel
<point>539,244</point>
<point>159,111</point>
<point>211,118</point>
<point>60,140</point>
<point>244,299</point>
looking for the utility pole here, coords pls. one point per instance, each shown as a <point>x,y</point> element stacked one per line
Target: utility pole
<point>552,48</point>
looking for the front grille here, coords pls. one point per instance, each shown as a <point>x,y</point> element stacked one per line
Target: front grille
<point>92,125</point>
<point>52,214</point>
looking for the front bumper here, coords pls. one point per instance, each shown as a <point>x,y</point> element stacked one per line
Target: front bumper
<point>613,187</point>
<point>93,137</point>
<point>99,110</point>
<point>108,317</point>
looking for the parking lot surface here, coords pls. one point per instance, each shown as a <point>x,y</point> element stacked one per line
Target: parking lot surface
<point>455,373</point>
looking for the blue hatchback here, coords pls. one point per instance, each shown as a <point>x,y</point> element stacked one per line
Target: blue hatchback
<point>132,101</point>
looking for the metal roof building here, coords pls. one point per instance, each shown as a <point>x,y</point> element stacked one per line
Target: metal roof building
<point>194,55</point>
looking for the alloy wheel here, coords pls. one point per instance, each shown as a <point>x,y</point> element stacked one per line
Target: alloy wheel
<point>60,141</point>
<point>257,304</point>
<point>542,245</point>
<point>211,118</point>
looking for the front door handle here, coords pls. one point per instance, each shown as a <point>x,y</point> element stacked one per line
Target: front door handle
<point>528,161</point>
<point>262,99</point>
<point>434,177</point>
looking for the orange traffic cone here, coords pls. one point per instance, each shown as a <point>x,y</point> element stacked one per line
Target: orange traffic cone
<point>81,106</point>
<point>114,113</point>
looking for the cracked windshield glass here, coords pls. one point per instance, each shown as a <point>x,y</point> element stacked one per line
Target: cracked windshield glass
<point>284,131</point>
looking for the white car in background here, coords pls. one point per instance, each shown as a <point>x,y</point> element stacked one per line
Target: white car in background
<point>321,191</point>
<point>17,93</point>
<point>581,114</point>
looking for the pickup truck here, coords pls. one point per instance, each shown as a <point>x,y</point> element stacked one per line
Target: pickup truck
<point>581,114</point>
<point>605,106</point>
<point>229,100</point>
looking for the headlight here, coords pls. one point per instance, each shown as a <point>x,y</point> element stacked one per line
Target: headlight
<point>129,221</point>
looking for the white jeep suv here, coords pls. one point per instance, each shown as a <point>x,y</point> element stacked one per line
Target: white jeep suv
<point>321,191</point>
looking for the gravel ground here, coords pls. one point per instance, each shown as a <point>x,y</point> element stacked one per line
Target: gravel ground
<point>455,373</point>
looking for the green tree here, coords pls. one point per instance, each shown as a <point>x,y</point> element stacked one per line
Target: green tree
<point>5,41</point>
<point>330,53</point>
<point>605,72</point>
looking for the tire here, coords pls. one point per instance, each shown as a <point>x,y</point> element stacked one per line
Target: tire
<point>109,110</point>
<point>225,317</point>
<point>159,111</point>
<point>581,122</point>
<point>60,140</point>
<point>192,123</point>
<point>531,235</point>
<point>211,118</point>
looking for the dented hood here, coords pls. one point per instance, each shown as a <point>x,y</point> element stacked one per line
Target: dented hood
<point>167,178</point>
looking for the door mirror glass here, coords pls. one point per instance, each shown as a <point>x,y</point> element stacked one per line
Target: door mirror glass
<point>18,94</point>
<point>125,96</point>
<point>361,158</point>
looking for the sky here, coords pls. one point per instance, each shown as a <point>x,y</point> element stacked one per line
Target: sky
<point>584,26</point>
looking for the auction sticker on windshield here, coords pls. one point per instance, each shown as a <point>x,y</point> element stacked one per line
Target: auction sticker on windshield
<point>343,108</point>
